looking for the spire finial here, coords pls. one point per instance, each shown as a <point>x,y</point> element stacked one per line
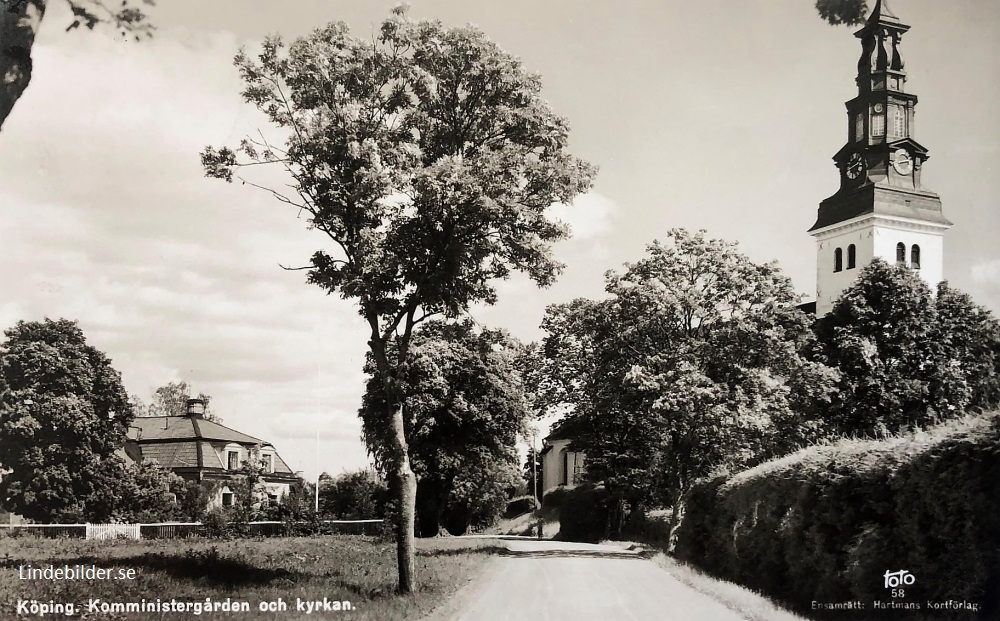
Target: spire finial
<point>882,13</point>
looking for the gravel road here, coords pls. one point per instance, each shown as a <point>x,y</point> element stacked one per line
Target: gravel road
<point>557,581</point>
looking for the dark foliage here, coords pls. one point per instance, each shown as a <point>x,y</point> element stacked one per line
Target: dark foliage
<point>850,12</point>
<point>586,514</point>
<point>906,358</point>
<point>466,408</point>
<point>359,495</point>
<point>63,415</point>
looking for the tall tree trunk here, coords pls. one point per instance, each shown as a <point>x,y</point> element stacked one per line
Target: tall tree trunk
<point>19,22</point>
<point>677,518</point>
<point>403,481</point>
<point>406,495</point>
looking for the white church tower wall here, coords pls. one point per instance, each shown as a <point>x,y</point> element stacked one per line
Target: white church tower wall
<point>881,209</point>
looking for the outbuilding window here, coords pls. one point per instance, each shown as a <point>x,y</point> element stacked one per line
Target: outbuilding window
<point>915,257</point>
<point>900,253</point>
<point>852,255</point>
<point>838,260</point>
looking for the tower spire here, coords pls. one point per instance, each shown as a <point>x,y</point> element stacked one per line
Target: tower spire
<point>882,12</point>
<point>882,208</point>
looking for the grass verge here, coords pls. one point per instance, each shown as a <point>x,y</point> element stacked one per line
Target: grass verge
<point>752,605</point>
<point>353,569</point>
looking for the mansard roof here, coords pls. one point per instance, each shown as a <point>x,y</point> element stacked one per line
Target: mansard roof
<point>186,442</point>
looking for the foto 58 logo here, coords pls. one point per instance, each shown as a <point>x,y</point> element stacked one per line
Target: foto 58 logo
<point>896,579</point>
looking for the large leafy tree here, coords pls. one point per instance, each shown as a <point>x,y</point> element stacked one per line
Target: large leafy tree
<point>465,409</point>
<point>693,362</point>
<point>150,493</point>
<point>971,335</point>
<point>19,24</point>
<point>63,414</point>
<point>427,158</point>
<point>171,400</point>
<point>358,495</point>
<point>906,359</point>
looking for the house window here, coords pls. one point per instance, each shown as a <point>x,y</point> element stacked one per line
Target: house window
<point>852,256</point>
<point>899,123</point>
<point>900,254</point>
<point>859,128</point>
<point>565,467</point>
<point>838,260</point>
<point>915,257</point>
<point>272,499</point>
<point>227,499</point>
<point>268,461</point>
<point>233,460</point>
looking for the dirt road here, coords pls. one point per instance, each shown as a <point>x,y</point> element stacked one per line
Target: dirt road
<point>556,581</point>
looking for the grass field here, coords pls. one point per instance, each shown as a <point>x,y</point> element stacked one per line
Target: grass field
<point>356,569</point>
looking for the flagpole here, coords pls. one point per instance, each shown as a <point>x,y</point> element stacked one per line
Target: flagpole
<point>319,378</point>
<point>317,470</point>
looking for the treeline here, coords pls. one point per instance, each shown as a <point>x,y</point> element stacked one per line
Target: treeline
<point>64,417</point>
<point>699,361</point>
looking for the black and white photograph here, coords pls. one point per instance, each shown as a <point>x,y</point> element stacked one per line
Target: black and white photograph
<point>552,310</point>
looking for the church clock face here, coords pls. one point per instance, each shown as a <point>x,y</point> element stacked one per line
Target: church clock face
<point>855,166</point>
<point>902,162</point>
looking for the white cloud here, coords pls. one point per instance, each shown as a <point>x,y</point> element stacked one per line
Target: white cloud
<point>987,273</point>
<point>589,215</point>
<point>106,218</point>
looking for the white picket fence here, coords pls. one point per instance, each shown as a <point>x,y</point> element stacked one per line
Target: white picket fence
<point>113,531</point>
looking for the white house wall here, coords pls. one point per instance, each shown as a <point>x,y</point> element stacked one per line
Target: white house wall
<point>554,463</point>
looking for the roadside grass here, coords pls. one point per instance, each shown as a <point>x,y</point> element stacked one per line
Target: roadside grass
<point>356,569</point>
<point>752,605</point>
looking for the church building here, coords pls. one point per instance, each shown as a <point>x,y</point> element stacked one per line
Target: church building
<point>881,209</point>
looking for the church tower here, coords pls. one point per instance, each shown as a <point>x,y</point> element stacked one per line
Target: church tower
<point>881,209</point>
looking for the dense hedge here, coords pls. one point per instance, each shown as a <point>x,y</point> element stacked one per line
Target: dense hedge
<point>651,528</point>
<point>583,513</point>
<point>826,523</point>
<point>552,502</point>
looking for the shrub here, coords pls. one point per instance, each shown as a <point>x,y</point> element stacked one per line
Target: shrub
<point>584,514</point>
<point>552,502</point>
<point>826,523</point>
<point>652,528</point>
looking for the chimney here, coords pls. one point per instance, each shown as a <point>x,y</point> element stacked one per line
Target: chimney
<point>196,408</point>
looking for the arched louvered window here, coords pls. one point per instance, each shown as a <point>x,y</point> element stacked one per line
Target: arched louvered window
<point>838,260</point>
<point>900,254</point>
<point>899,123</point>
<point>915,257</point>
<point>852,257</point>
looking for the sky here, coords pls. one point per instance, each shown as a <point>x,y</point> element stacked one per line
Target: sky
<point>719,114</point>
